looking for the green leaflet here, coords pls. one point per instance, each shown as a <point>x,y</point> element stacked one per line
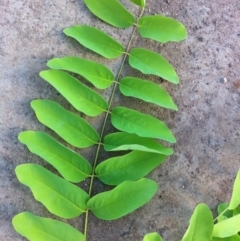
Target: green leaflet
<point>69,126</point>
<point>140,3</point>
<point>235,199</point>
<point>227,213</point>
<point>96,40</point>
<point>152,237</point>
<point>232,238</point>
<point>129,167</point>
<point>79,95</point>
<point>161,29</point>
<point>70,165</point>
<point>149,62</point>
<point>121,141</point>
<point>112,12</point>
<point>59,196</point>
<point>36,228</point>
<point>123,199</point>
<point>201,225</point>
<point>236,211</point>
<point>99,75</point>
<point>135,122</point>
<point>227,228</point>
<point>146,91</point>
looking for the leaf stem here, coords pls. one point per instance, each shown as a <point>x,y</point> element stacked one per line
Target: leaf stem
<point>126,53</point>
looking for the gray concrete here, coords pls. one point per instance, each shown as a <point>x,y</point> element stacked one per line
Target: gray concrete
<point>207,125</point>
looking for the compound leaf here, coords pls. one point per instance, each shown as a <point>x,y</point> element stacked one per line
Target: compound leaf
<point>140,3</point>
<point>97,74</point>
<point>232,238</point>
<point>227,227</point>
<point>112,12</point>
<point>96,40</point>
<point>69,126</point>
<point>149,62</point>
<point>123,199</point>
<point>146,91</point>
<point>59,196</point>
<point>36,228</point>
<point>122,141</point>
<point>70,165</point>
<point>152,237</point>
<point>129,167</point>
<point>201,225</point>
<point>161,29</point>
<point>135,122</point>
<point>79,95</point>
<point>235,199</point>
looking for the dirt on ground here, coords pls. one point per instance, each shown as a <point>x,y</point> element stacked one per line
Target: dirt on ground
<point>207,126</point>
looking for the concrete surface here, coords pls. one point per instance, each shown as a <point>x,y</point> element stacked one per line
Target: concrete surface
<point>207,125</point>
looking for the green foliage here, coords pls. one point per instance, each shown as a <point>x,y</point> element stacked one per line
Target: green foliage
<point>202,227</point>
<point>139,130</point>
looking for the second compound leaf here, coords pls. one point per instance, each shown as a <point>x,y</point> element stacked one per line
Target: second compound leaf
<point>70,165</point>
<point>129,167</point>
<point>96,40</point>
<point>201,225</point>
<point>72,128</point>
<point>59,196</point>
<point>36,228</point>
<point>149,62</point>
<point>123,199</point>
<point>144,125</point>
